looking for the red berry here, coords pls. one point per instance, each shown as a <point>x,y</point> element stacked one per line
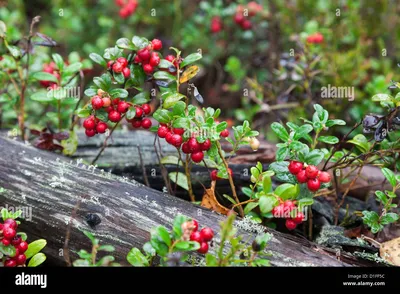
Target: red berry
<point>16,252</point>
<point>216,24</point>
<point>289,205</point>
<point>144,54</point>
<point>239,18</point>
<point>126,72</point>
<point>124,12</point>
<point>176,140</point>
<point>197,157</point>
<point>97,102</point>
<point>206,145</point>
<point>203,248</point>
<point>214,175</point>
<point>301,176</point>
<point>110,63</point>
<point>10,263</point>
<point>139,112</point>
<point>146,123</point>
<point>146,108</point>
<point>20,259</point>
<point>196,236</point>
<point>278,211</point>
<point>170,58</point>
<point>11,223</point>
<point>115,101</point>
<point>22,247</point>
<point>117,67</point>
<point>101,127</point>
<point>120,2</point>
<point>123,107</point>
<point>290,224</point>
<point>246,25</point>
<point>154,60</point>
<point>106,102</point>
<point>312,172</point>
<point>89,123</point>
<point>137,123</point>
<point>298,218</point>
<point>148,69</point>
<point>185,148</point>
<point>123,61</point>
<point>195,225</point>
<point>313,185</point>
<point>90,132</point>
<point>162,131</point>
<point>194,146</point>
<point>224,133</point>
<point>178,131</point>
<point>207,234</point>
<point>6,242</point>
<point>137,59</point>
<point>157,44</point>
<point>114,116</point>
<point>9,232</point>
<point>109,108</point>
<point>168,137</point>
<point>295,167</point>
<point>324,177</point>
<point>16,240</point>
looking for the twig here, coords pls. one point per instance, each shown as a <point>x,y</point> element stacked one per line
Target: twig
<point>189,180</point>
<point>67,235</point>
<point>162,167</point>
<point>146,180</point>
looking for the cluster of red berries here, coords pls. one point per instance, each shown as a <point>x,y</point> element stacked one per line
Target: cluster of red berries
<point>216,24</point>
<point>315,38</point>
<point>309,174</point>
<point>127,7</point>
<point>243,14</point>
<point>174,61</point>
<point>139,120</point>
<point>285,210</point>
<point>93,126</point>
<point>120,65</point>
<point>174,136</point>
<point>51,69</point>
<point>8,233</point>
<point>147,57</point>
<point>203,236</point>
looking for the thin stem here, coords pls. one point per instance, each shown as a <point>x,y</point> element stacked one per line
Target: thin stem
<point>241,212</point>
<point>59,114</point>
<point>189,180</point>
<point>146,180</point>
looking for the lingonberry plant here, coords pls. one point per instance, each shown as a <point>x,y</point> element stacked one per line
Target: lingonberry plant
<point>135,65</point>
<point>14,249</point>
<point>173,248</point>
<point>90,258</point>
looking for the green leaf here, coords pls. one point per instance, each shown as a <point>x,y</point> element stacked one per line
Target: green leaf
<point>328,139</point>
<point>37,260</point>
<point>23,236</point>
<point>90,236</point>
<point>107,248</point>
<point>177,227</point>
<point>282,153</point>
<point>42,96</point>
<point>179,108</point>
<point>170,159</point>
<point>58,60</point>
<point>14,50</point>
<point>163,75</point>
<point>35,247</point>
<point>361,142</point>
<point>267,184</point>
<point>165,64</point>
<point>181,122</point>
<point>302,131</point>
<point>99,82</point>
<point>121,93</point>
<point>82,113</point>
<point>267,203</point>
<point>190,59</point>
<point>279,167</point>
<point>164,235</point>
<point>7,250</point>
<point>280,131</point>
<point>73,68</point>
<point>221,126</point>
<point>3,29</point>
<point>250,206</point>
<point>90,92</point>
<point>182,179</point>
<point>333,122</point>
<point>389,175</point>
<point>139,42</point>
<point>171,99</point>
<point>44,76</point>
<point>389,218</point>
<point>382,97</point>
<point>187,245</point>
<point>161,115</point>
<point>305,202</point>
<point>261,262</point>
<point>119,77</point>
<point>287,191</point>
<point>211,260</point>
<point>136,258</point>
<point>125,43</point>
<point>314,157</point>
<point>141,98</point>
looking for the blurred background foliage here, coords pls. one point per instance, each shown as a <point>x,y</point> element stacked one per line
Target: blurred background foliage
<point>266,73</point>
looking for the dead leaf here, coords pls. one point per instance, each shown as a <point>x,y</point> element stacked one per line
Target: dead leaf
<point>390,251</point>
<point>189,73</point>
<point>210,201</point>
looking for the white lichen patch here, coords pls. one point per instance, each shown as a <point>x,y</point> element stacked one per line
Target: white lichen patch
<point>248,225</point>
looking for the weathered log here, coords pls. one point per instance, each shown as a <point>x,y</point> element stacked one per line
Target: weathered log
<point>52,187</point>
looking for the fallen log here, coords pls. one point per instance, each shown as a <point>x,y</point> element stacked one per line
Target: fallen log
<point>55,189</point>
